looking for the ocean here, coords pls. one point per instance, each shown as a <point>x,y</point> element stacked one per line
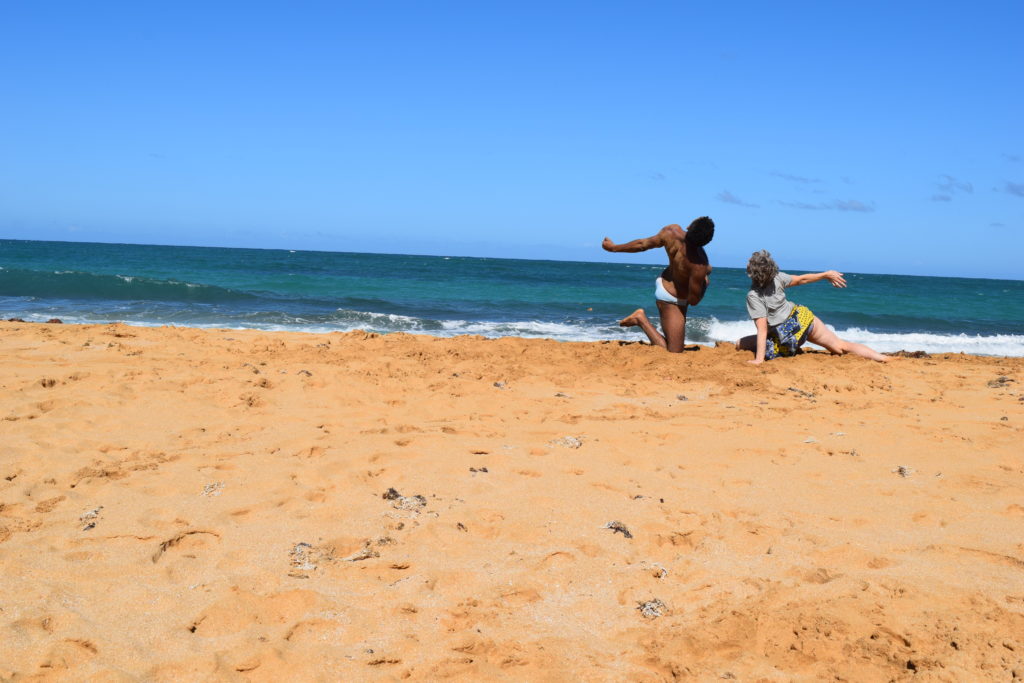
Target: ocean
<point>442,296</point>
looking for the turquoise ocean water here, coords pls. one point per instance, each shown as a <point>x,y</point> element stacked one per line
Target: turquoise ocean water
<point>446,296</point>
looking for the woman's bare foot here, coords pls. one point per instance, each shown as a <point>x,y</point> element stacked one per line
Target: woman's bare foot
<point>633,319</point>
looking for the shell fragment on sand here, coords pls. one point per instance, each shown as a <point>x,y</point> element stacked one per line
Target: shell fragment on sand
<point>90,518</point>
<point>411,503</point>
<point>652,609</point>
<point>618,527</point>
<point>213,489</point>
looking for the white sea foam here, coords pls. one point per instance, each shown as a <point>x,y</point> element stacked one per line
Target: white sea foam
<point>534,328</point>
<point>990,345</point>
<point>701,330</point>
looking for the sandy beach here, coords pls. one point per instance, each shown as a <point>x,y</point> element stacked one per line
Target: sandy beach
<point>181,504</point>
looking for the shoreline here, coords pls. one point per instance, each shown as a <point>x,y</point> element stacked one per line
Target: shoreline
<point>186,502</point>
<point>808,348</point>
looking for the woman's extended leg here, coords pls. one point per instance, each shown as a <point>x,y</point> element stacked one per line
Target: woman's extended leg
<point>822,336</point>
<point>748,343</point>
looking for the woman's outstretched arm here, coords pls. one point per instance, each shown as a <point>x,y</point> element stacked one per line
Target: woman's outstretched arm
<point>833,276</point>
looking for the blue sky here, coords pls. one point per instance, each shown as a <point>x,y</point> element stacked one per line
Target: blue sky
<point>868,137</point>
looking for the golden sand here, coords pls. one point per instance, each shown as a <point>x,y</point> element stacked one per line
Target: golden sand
<point>181,504</point>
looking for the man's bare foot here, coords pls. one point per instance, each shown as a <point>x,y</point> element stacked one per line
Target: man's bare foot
<point>633,319</point>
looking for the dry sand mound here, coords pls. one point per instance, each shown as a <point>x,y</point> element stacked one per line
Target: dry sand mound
<point>178,504</point>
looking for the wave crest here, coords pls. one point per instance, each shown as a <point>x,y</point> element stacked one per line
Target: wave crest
<point>77,286</point>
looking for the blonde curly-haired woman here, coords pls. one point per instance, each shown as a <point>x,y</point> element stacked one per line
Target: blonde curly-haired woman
<point>782,326</point>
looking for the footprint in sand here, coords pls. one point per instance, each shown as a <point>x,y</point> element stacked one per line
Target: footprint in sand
<point>185,540</point>
<point>244,610</point>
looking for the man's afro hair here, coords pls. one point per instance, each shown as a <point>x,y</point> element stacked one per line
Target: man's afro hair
<point>701,231</point>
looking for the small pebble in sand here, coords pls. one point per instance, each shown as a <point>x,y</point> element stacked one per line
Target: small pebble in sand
<point>410,503</point>
<point>657,571</point>
<point>367,552</point>
<point>652,609</point>
<point>213,489</point>
<point>618,527</point>
<point>478,469</point>
<point>561,395</point>
<point>801,392</point>
<point>682,397</point>
<point>306,557</point>
<point>500,385</point>
<point>567,441</point>
<point>90,518</point>
<point>301,557</point>
<point>903,470</point>
<point>810,439</point>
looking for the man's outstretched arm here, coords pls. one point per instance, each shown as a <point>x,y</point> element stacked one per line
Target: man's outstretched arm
<point>642,244</point>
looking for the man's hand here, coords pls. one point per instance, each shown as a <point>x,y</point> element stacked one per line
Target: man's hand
<point>755,362</point>
<point>607,244</point>
<point>836,278</point>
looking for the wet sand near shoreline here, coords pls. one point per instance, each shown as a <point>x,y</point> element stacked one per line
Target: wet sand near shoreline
<point>183,504</point>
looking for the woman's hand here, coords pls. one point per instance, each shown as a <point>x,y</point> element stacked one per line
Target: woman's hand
<point>836,278</point>
<point>755,361</point>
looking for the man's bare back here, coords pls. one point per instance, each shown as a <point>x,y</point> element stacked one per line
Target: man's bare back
<point>688,271</point>
<point>683,282</point>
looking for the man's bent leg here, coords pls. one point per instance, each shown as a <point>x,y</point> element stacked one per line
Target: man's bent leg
<point>639,319</point>
<point>673,323</point>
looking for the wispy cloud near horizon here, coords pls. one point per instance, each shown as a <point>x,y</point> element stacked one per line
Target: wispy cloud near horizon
<point>1014,188</point>
<point>949,186</point>
<point>834,205</point>
<point>730,198</point>
<point>795,178</point>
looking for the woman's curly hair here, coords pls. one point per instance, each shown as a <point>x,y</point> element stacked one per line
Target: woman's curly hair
<point>761,268</point>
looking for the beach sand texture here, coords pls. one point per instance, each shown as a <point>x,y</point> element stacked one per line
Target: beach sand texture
<point>181,504</point>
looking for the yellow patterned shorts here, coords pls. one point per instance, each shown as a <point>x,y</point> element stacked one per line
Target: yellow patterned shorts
<point>786,337</point>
